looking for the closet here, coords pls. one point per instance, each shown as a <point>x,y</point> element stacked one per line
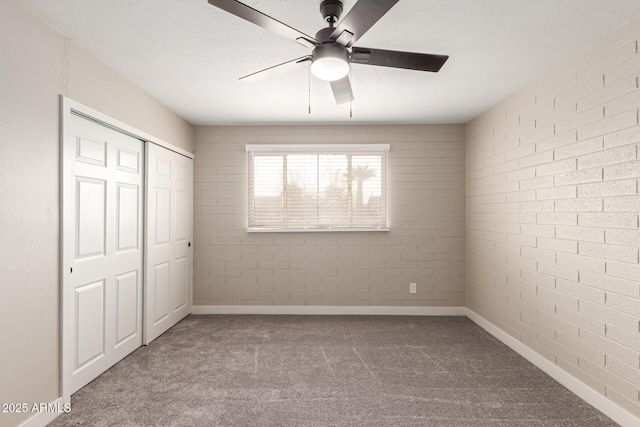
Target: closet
<point>126,265</point>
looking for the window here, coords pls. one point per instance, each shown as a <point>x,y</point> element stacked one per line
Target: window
<point>317,187</point>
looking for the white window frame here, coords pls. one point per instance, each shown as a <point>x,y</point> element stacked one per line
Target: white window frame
<point>319,148</point>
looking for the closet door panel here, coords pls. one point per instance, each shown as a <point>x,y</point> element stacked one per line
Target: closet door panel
<point>102,284</point>
<point>169,259</point>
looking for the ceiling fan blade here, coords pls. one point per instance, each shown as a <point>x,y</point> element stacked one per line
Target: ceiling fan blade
<point>360,18</point>
<point>250,14</point>
<point>342,90</point>
<point>397,59</point>
<point>276,69</point>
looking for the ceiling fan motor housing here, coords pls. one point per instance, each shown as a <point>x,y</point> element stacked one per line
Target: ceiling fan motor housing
<point>330,50</point>
<point>323,36</point>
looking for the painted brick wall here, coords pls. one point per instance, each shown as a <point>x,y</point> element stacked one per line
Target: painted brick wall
<point>553,225</point>
<point>425,244</point>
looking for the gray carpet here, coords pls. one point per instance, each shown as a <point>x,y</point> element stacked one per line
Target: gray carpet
<point>327,371</point>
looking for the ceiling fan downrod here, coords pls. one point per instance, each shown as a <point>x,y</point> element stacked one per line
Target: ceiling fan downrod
<point>331,11</point>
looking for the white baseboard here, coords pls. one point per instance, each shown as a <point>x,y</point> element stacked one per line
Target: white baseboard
<point>328,310</point>
<point>586,393</point>
<point>41,419</point>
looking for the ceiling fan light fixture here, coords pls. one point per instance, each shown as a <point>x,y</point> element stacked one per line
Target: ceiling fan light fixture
<point>330,62</point>
<point>333,46</point>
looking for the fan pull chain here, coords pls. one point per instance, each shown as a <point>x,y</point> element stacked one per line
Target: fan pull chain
<point>309,86</point>
<point>350,96</point>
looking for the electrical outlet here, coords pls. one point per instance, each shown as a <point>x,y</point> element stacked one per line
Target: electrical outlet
<point>412,288</point>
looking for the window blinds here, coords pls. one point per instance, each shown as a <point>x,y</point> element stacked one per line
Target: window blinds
<point>317,187</point>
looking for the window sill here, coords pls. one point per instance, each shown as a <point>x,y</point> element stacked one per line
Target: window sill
<point>315,230</point>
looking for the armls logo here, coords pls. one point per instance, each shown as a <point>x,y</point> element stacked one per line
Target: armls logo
<point>51,407</point>
<point>36,407</point>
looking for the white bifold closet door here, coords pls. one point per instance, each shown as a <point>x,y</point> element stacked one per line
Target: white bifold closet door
<point>103,277</point>
<point>168,256</point>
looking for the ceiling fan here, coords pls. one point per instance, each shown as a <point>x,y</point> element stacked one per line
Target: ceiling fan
<point>330,57</point>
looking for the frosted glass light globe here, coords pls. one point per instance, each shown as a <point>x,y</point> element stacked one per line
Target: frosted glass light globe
<point>330,61</point>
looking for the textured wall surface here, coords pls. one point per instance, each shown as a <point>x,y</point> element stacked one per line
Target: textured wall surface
<point>552,217</point>
<point>426,217</point>
<point>28,211</point>
<point>90,82</point>
<point>37,66</point>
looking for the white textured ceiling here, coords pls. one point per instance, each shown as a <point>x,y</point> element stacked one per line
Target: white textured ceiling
<point>189,55</point>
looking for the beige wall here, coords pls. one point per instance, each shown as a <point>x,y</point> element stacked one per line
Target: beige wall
<point>426,217</point>
<point>90,82</point>
<point>37,65</point>
<point>552,217</point>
